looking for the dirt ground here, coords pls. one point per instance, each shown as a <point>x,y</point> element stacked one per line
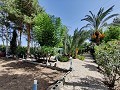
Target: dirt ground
<point>15,75</point>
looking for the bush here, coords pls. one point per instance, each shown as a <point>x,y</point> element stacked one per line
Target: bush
<point>32,50</point>
<point>2,51</point>
<point>2,48</point>
<point>108,58</point>
<point>21,51</point>
<point>63,58</point>
<point>80,57</point>
<point>47,50</point>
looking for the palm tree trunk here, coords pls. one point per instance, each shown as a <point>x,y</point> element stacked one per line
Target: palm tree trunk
<point>28,42</point>
<point>76,52</point>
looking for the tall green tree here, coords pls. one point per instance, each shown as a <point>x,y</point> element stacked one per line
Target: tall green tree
<point>5,23</point>
<point>67,42</point>
<point>22,11</point>
<point>112,33</point>
<point>29,9</point>
<point>14,15</point>
<point>2,28</point>
<point>60,30</point>
<point>99,20</point>
<point>47,30</point>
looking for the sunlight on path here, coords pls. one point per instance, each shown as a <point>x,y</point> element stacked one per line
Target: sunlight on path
<point>84,76</point>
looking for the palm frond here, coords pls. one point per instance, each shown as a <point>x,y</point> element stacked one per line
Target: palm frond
<point>100,12</point>
<point>88,25</point>
<point>113,15</point>
<point>105,13</point>
<point>97,23</point>
<point>92,14</point>
<point>114,24</point>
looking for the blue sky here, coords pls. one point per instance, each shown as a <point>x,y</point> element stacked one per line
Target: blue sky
<point>72,11</point>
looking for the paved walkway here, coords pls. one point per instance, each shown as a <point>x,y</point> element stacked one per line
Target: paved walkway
<point>84,76</point>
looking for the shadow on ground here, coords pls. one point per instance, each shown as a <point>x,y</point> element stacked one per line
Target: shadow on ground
<point>24,81</point>
<point>90,67</point>
<point>21,82</point>
<point>17,65</point>
<point>89,83</point>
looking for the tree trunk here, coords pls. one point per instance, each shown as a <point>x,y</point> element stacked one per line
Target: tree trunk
<point>76,52</point>
<point>2,36</point>
<point>6,42</point>
<point>20,32</point>
<point>3,42</point>
<point>28,37</point>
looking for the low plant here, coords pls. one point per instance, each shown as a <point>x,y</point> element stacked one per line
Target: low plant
<point>2,48</point>
<point>63,58</point>
<point>81,57</point>
<point>2,51</point>
<point>21,52</point>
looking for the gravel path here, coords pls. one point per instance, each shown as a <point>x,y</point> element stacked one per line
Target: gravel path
<point>84,76</point>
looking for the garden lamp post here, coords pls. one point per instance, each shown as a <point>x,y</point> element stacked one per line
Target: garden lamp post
<point>71,63</point>
<point>35,85</point>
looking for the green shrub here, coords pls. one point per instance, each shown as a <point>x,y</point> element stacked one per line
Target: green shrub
<point>108,58</point>
<point>21,51</point>
<point>80,57</point>
<point>47,50</point>
<point>32,50</point>
<point>63,58</point>
<point>2,48</point>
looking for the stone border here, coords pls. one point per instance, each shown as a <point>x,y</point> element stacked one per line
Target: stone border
<point>59,84</point>
<point>48,66</point>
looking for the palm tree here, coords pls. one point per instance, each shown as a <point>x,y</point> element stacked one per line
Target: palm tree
<point>72,43</point>
<point>98,21</point>
<point>79,37</point>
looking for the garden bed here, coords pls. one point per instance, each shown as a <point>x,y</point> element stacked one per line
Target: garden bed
<point>16,75</point>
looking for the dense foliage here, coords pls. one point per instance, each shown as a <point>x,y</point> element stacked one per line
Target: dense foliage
<point>73,43</point>
<point>21,52</point>
<point>63,58</point>
<point>20,13</point>
<point>48,30</point>
<point>81,57</point>
<point>108,58</point>
<point>113,32</point>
